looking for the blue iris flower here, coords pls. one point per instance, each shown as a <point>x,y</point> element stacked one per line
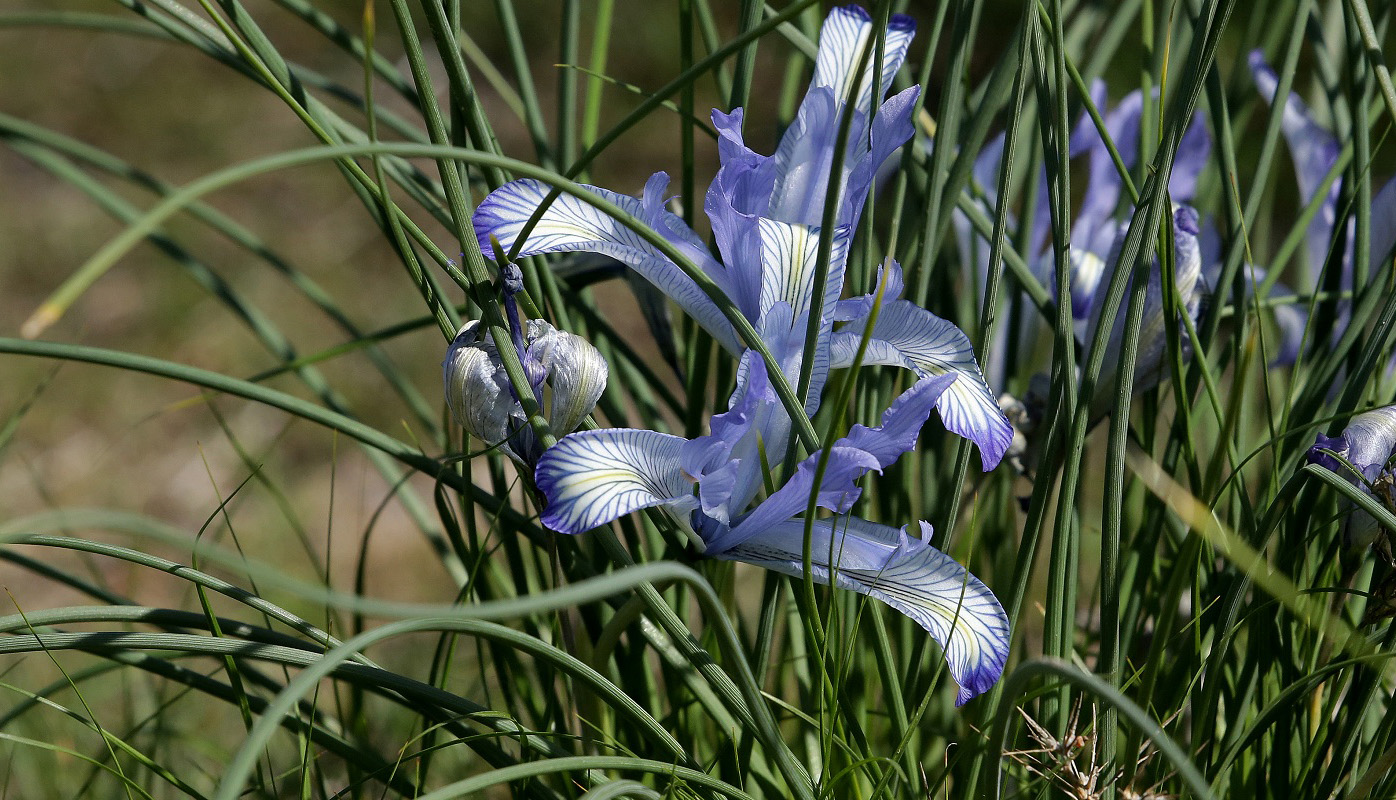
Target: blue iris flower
<point>1098,232</point>
<point>765,213</point>
<point>1314,150</point>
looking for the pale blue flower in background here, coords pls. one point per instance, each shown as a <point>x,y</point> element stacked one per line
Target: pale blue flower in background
<point>1150,366</point>
<point>1101,222</point>
<point>1314,150</point>
<point>1098,232</point>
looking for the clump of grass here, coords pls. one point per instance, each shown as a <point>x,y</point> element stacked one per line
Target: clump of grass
<point>1181,570</point>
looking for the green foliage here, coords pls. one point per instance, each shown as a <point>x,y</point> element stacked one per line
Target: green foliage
<point>1188,618</point>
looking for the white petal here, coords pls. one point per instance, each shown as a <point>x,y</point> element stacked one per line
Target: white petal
<point>789,255</point>
<point>955,607</point>
<point>907,335</point>
<point>572,224</point>
<point>846,32</point>
<point>593,477</point>
<point>1371,438</point>
<point>477,388</point>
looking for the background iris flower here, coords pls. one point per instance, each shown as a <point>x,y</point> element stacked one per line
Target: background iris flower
<point>1098,232</point>
<point>1315,150</point>
<point>765,212</point>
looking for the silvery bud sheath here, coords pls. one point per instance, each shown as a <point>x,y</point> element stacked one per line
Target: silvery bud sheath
<point>567,376</point>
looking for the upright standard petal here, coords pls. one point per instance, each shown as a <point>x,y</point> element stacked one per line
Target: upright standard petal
<point>1149,367</point>
<point>1383,225</point>
<point>1095,226</point>
<point>909,336</point>
<point>1093,229</point>
<point>593,477</point>
<point>745,178</point>
<point>847,32</point>
<point>891,128</point>
<point>571,224</point>
<point>904,572</point>
<point>804,160</point>
<point>1190,160</point>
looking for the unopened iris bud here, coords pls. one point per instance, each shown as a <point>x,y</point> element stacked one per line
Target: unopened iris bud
<point>1363,455</point>
<point>567,376</point>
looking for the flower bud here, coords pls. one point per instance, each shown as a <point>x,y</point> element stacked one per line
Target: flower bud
<point>566,374</point>
<point>1362,454</point>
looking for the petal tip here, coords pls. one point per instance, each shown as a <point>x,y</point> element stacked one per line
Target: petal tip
<point>1185,220</point>
<point>853,11</point>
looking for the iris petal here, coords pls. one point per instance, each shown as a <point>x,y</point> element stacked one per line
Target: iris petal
<point>846,32</point>
<point>804,159</point>
<point>1314,151</point>
<point>906,335</point>
<point>727,462</point>
<point>593,477</point>
<point>1149,367</point>
<point>1384,224</point>
<point>477,389</point>
<point>1368,444</point>
<point>904,572</point>
<point>576,374</point>
<point>571,224</point>
<point>1190,160</point>
<point>788,261</point>
<point>891,128</point>
<point>1372,439</point>
<point>848,459</point>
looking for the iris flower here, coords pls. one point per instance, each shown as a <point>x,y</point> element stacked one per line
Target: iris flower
<point>1315,150</point>
<point>1098,232</point>
<point>765,213</point>
<point>1365,454</point>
